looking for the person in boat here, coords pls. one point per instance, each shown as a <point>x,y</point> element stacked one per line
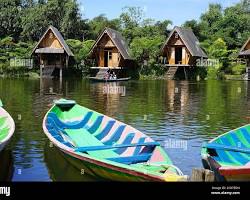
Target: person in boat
<point>111,77</point>
<point>114,76</point>
<point>106,75</point>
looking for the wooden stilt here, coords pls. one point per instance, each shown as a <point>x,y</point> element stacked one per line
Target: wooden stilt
<point>198,175</point>
<point>201,175</point>
<point>209,176</point>
<point>186,77</point>
<point>60,74</point>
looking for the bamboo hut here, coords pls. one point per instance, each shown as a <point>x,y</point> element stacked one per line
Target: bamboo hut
<point>181,50</point>
<point>245,54</point>
<point>110,52</point>
<point>52,53</point>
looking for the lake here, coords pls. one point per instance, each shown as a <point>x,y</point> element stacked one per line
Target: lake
<point>181,115</point>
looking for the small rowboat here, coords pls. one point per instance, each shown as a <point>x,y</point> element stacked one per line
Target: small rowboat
<point>7,127</point>
<point>106,148</point>
<point>229,155</point>
<point>108,80</point>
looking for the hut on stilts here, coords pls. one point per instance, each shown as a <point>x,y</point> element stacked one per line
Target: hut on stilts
<point>181,51</point>
<point>245,54</point>
<point>110,53</point>
<point>52,53</point>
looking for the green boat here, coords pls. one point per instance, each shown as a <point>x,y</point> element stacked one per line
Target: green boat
<point>7,127</point>
<point>229,155</point>
<point>105,148</point>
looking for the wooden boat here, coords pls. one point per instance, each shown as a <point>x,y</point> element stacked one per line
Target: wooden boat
<point>106,148</point>
<point>229,155</point>
<point>108,80</point>
<point>7,127</point>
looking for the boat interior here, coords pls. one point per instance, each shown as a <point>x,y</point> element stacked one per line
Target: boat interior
<point>232,148</point>
<point>100,136</point>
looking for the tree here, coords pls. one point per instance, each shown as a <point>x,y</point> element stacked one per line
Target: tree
<point>218,49</point>
<point>72,26</point>
<point>131,18</point>
<point>209,21</point>
<point>34,23</point>
<point>100,22</point>
<point>195,26</point>
<point>146,50</point>
<point>10,18</point>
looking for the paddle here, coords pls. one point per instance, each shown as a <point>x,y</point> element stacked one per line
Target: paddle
<point>226,148</point>
<point>105,147</point>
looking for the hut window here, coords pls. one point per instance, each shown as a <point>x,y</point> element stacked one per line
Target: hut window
<point>110,55</point>
<point>51,35</point>
<point>176,35</point>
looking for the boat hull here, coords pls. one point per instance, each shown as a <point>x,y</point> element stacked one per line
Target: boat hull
<point>226,174</point>
<point>109,80</point>
<point>228,155</point>
<point>10,123</point>
<point>102,173</point>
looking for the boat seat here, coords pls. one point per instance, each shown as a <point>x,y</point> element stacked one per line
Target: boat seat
<point>106,130</point>
<point>132,159</point>
<point>72,125</point>
<point>127,140</point>
<point>82,138</point>
<point>104,147</point>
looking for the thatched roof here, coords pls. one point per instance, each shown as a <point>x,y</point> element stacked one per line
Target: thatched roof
<point>118,41</point>
<point>189,40</point>
<point>53,50</point>
<point>244,51</point>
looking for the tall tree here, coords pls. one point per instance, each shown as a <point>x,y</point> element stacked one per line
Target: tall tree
<point>71,22</point>
<point>10,18</point>
<point>98,23</point>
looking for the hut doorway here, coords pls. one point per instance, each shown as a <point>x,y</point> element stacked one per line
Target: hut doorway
<point>107,57</point>
<point>178,55</point>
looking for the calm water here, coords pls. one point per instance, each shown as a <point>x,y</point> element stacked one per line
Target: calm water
<point>171,112</point>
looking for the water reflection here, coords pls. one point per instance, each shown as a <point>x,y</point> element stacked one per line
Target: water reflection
<point>64,170</point>
<point>176,110</point>
<point>6,166</point>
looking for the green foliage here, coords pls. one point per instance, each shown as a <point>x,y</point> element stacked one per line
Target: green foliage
<point>10,18</point>
<point>100,22</point>
<point>220,31</point>
<point>218,49</point>
<point>238,69</point>
<point>80,49</point>
<point>9,49</point>
<point>146,50</point>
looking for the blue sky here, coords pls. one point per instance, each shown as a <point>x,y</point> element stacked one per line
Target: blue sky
<point>178,11</point>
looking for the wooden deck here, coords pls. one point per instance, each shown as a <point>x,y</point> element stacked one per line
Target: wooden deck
<point>176,65</point>
<point>105,68</point>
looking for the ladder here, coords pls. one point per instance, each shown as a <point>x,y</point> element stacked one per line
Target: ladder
<point>47,72</point>
<point>101,73</point>
<point>171,72</point>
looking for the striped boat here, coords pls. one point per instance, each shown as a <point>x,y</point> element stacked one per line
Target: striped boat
<point>106,148</point>
<point>229,155</point>
<point>7,127</point>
